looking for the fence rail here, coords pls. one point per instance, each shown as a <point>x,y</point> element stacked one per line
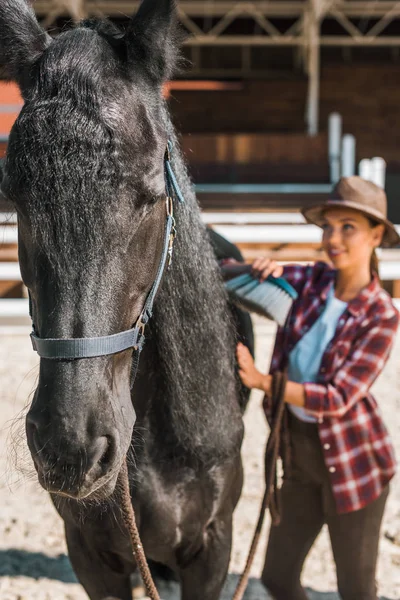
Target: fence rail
<point>283,236</point>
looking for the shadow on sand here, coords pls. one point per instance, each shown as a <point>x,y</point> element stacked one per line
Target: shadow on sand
<point>36,565</point>
<point>14,563</point>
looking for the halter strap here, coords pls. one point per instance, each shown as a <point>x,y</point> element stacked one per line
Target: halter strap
<point>171,183</point>
<point>76,348</point>
<point>69,349</point>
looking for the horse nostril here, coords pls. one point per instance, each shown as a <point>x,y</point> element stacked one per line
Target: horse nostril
<point>102,453</point>
<point>35,443</point>
<point>107,459</point>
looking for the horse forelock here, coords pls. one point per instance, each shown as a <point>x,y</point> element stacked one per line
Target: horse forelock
<point>78,156</point>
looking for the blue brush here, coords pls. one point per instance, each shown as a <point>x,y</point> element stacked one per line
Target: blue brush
<point>271,298</point>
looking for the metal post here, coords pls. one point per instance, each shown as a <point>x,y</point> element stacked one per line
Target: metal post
<point>348,155</point>
<point>334,143</point>
<point>312,26</point>
<point>378,166</point>
<point>365,169</point>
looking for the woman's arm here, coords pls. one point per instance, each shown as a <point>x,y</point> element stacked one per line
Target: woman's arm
<point>253,378</point>
<point>295,393</point>
<point>295,275</point>
<point>261,268</point>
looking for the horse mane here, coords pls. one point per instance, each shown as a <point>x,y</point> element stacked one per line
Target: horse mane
<point>195,338</point>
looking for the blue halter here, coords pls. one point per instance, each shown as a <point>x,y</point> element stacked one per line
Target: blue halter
<point>75,348</point>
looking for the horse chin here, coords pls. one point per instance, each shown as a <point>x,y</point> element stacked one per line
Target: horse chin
<point>101,490</point>
<point>97,491</point>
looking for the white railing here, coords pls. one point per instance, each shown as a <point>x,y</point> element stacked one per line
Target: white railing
<point>249,218</point>
<point>7,218</point>
<point>10,271</point>
<point>14,307</point>
<point>8,234</point>
<point>9,308</point>
<point>274,228</point>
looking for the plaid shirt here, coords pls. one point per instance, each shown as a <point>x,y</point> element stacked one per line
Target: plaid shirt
<point>357,449</point>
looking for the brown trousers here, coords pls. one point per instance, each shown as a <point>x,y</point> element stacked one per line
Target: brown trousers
<point>307,503</point>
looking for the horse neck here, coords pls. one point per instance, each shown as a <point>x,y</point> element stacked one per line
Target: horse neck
<point>188,373</point>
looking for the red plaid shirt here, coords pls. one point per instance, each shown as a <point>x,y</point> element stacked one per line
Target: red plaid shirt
<point>357,448</point>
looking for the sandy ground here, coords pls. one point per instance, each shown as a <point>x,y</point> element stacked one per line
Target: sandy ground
<point>33,561</point>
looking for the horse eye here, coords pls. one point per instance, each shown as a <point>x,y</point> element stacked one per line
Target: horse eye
<point>154,200</point>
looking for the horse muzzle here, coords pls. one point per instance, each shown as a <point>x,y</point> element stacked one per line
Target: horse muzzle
<point>73,467</point>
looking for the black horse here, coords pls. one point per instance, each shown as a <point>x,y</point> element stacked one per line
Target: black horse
<point>85,171</point>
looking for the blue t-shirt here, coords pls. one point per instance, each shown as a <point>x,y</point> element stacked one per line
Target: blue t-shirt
<point>305,358</point>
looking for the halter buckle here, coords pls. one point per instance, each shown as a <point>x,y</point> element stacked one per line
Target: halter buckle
<point>169,206</point>
<point>172,237</point>
<point>140,337</point>
<point>168,151</point>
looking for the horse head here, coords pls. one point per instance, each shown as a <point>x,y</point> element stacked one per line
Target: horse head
<point>85,171</point>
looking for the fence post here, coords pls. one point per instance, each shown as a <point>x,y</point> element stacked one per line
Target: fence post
<point>334,141</point>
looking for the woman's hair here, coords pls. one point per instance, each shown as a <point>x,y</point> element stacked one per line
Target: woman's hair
<point>374,262</point>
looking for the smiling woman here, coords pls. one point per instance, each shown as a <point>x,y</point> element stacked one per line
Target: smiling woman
<point>333,346</point>
<point>348,237</point>
<point>354,224</point>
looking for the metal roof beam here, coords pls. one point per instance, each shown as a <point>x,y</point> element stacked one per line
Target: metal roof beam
<point>261,12</point>
<point>245,40</point>
<point>282,40</point>
<point>122,8</point>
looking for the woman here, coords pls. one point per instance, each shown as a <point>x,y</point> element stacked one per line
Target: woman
<point>334,345</point>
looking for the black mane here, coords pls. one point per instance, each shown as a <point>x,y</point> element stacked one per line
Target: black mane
<point>188,347</point>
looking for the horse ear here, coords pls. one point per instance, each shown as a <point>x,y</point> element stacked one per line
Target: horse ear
<point>22,40</point>
<point>152,38</point>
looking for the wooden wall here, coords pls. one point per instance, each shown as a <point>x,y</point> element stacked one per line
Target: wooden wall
<point>255,148</point>
<point>257,157</point>
<point>259,106</point>
<point>257,131</point>
<point>367,96</point>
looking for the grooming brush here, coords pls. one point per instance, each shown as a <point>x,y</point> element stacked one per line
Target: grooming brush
<point>271,298</point>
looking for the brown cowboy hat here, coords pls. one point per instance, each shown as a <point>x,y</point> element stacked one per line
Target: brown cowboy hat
<point>358,194</point>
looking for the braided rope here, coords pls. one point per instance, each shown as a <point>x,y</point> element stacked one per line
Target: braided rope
<point>130,522</point>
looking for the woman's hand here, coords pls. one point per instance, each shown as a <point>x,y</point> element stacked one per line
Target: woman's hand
<point>250,376</point>
<point>262,267</point>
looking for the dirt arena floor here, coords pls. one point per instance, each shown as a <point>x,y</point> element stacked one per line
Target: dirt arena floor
<point>33,560</point>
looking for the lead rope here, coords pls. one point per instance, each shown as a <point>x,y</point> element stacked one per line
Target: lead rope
<point>270,500</point>
<point>128,514</point>
<point>277,441</point>
<point>129,519</point>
